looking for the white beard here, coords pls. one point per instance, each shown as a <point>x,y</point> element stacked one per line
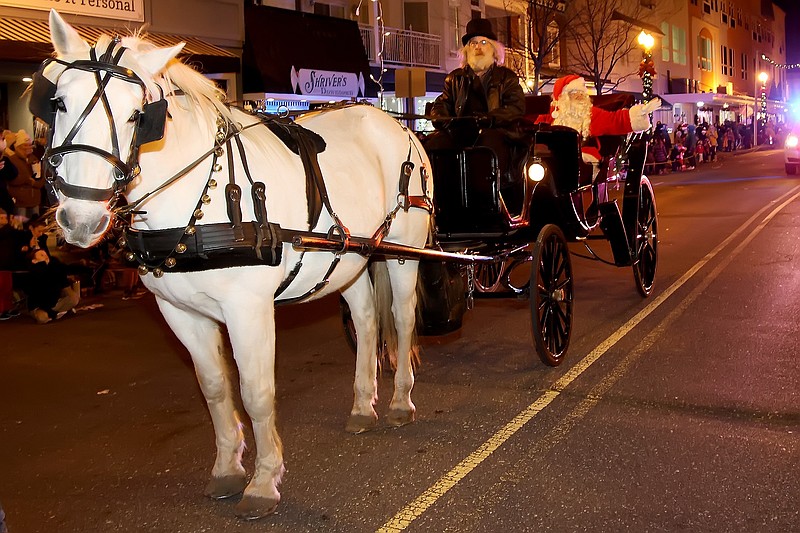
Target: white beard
<point>480,63</point>
<point>576,114</point>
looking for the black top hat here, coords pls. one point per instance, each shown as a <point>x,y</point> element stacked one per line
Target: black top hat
<point>478,27</point>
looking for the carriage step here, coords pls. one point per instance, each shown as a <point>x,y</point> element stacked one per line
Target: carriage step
<point>611,224</point>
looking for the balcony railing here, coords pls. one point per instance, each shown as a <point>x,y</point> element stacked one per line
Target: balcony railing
<point>403,47</point>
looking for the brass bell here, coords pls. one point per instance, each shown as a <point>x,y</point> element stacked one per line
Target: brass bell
<point>122,242</point>
<point>218,168</point>
<point>158,272</point>
<point>130,256</point>
<point>143,270</point>
<point>170,262</point>
<point>219,151</point>
<point>212,184</point>
<point>206,199</point>
<point>180,248</point>
<point>189,230</point>
<point>198,213</point>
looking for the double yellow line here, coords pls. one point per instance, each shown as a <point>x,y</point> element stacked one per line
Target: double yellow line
<point>424,501</point>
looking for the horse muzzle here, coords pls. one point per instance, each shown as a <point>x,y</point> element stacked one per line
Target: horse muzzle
<point>83,222</point>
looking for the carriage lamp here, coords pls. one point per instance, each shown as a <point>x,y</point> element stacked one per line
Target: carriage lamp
<point>791,141</point>
<point>536,171</point>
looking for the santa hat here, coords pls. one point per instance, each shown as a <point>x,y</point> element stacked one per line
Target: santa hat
<point>570,82</point>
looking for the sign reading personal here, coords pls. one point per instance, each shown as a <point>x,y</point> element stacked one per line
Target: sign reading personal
<point>115,9</point>
<point>327,83</point>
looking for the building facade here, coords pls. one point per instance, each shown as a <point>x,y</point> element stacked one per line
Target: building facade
<point>213,31</point>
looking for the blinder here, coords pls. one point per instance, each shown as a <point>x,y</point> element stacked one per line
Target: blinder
<point>150,123</point>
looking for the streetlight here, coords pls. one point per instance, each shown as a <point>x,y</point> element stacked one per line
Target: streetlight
<point>646,68</point>
<point>762,77</point>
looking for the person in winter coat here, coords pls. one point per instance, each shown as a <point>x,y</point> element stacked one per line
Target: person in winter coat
<point>8,172</point>
<point>26,188</point>
<point>481,99</point>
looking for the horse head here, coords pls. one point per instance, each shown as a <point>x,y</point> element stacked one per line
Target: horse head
<point>102,103</point>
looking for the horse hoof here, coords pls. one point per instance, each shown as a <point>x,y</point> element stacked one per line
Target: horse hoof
<point>254,507</point>
<point>397,417</point>
<point>225,486</point>
<point>361,423</point>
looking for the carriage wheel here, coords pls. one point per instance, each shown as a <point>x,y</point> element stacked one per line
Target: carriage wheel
<point>488,276</point>
<point>645,240</point>
<point>551,295</point>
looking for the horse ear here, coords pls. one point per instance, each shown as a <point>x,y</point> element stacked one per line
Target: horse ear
<point>66,40</point>
<point>155,60</point>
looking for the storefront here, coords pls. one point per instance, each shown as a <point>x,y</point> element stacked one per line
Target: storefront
<point>213,35</point>
<point>293,60</point>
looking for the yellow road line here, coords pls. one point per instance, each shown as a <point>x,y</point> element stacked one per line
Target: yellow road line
<point>423,502</point>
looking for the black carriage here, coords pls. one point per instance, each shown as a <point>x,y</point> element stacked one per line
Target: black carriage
<point>507,235</point>
<point>527,217</point>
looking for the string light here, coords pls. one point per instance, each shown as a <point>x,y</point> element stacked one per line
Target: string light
<point>379,55</point>
<point>780,65</point>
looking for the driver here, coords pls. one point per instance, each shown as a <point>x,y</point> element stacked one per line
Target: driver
<point>486,96</point>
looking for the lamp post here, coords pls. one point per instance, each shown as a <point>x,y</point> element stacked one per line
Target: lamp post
<point>762,77</point>
<point>646,67</point>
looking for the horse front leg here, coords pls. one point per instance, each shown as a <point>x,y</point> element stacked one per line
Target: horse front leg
<point>403,278</point>
<point>203,338</point>
<point>251,328</point>
<point>359,297</point>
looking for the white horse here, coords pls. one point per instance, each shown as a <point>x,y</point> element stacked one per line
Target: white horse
<point>105,102</point>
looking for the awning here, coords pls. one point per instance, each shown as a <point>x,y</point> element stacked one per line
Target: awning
<point>285,51</point>
<point>26,40</point>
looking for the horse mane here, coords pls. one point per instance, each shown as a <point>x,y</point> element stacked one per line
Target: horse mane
<point>201,93</point>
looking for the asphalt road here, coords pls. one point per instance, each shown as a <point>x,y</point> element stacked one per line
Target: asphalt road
<point>680,412</point>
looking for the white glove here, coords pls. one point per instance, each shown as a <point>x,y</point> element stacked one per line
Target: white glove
<point>652,105</point>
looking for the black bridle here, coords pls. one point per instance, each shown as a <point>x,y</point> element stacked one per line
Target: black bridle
<point>46,105</point>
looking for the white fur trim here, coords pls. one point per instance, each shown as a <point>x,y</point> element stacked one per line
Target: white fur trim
<point>640,121</point>
<point>577,84</point>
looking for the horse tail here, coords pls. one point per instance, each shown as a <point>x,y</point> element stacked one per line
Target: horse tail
<point>387,333</point>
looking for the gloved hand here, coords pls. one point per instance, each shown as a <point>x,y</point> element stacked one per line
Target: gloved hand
<point>652,105</point>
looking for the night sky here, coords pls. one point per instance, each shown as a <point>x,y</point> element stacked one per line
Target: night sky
<point>792,8</point>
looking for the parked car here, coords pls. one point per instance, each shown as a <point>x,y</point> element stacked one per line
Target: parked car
<point>791,151</point>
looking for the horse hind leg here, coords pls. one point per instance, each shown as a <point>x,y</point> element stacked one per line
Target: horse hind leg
<point>203,338</point>
<point>403,282</point>
<point>359,297</point>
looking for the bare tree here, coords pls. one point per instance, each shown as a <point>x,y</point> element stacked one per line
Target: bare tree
<point>600,34</point>
<point>539,43</point>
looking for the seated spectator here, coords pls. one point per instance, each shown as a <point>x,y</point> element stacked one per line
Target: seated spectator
<point>51,293</point>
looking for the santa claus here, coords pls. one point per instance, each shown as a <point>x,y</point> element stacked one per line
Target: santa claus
<point>571,106</point>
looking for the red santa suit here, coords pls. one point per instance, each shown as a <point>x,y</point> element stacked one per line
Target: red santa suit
<point>592,121</point>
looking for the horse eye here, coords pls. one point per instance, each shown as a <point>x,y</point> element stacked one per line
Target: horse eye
<point>59,103</point>
<point>134,116</point>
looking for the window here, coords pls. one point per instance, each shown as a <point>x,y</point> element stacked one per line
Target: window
<point>554,57</point>
<point>707,7</point>
<point>678,45</point>
<point>744,67</point>
<point>508,30</point>
<point>705,61</point>
<point>415,16</point>
<point>726,58</point>
<point>665,42</point>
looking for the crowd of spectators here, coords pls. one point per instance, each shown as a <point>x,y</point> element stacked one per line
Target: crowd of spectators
<point>689,145</point>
